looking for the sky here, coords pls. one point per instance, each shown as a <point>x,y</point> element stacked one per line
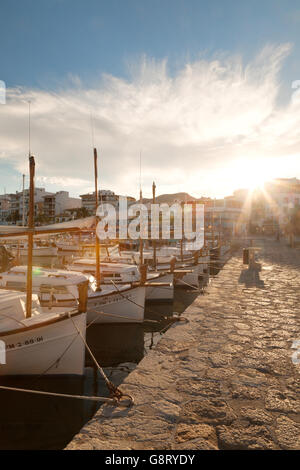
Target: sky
<point>203,90</point>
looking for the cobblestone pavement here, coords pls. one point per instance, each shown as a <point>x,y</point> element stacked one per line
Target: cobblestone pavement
<point>226,379</point>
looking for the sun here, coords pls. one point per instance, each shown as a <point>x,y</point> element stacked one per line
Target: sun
<point>253,173</point>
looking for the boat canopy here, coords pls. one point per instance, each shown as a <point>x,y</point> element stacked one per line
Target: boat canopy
<point>13,231</point>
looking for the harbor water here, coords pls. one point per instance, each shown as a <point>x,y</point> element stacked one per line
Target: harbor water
<point>30,421</point>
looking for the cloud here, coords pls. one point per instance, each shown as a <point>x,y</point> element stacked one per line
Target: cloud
<point>190,126</point>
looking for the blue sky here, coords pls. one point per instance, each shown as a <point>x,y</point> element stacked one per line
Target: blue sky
<point>54,45</point>
<point>43,41</point>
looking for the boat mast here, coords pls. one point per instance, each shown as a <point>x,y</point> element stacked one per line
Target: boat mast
<point>30,237</point>
<point>154,241</point>
<point>96,203</point>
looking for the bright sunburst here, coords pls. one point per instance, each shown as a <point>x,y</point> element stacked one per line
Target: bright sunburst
<point>254,173</point>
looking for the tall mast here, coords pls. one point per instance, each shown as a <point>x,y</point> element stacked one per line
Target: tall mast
<point>96,203</point>
<point>154,241</point>
<point>30,237</point>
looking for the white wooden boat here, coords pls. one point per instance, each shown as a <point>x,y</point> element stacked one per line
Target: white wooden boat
<point>121,304</point>
<point>190,278</point>
<point>67,247</point>
<point>46,343</point>
<point>112,304</point>
<point>164,260</point>
<point>37,251</point>
<point>121,273</point>
<point>40,340</point>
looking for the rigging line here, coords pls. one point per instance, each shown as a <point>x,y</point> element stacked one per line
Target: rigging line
<point>140,176</point>
<point>133,302</point>
<point>92,130</point>
<point>93,146</point>
<point>140,170</point>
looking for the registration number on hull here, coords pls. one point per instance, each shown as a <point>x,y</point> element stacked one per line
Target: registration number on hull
<point>27,342</point>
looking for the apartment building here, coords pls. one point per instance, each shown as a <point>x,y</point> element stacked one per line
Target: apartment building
<point>104,196</point>
<point>46,205</point>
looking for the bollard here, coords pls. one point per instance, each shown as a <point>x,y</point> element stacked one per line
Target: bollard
<point>245,256</point>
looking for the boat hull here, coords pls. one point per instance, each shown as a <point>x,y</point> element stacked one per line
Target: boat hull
<point>127,306</point>
<point>35,350</point>
<point>40,252</point>
<point>189,279</point>
<point>163,293</point>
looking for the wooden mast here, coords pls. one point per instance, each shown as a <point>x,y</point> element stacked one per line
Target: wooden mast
<point>154,241</point>
<point>96,204</point>
<point>30,237</point>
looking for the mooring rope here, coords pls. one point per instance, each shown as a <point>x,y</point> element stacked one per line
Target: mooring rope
<point>115,315</point>
<point>60,395</point>
<point>114,391</point>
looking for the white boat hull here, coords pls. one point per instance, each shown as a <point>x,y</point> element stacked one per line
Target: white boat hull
<point>66,247</point>
<point>163,293</point>
<point>189,279</point>
<point>125,307</point>
<point>38,252</point>
<point>36,350</point>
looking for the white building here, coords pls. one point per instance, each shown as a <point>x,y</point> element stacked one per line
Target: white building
<point>104,196</point>
<point>282,196</point>
<point>45,204</point>
<point>4,208</point>
<point>57,203</point>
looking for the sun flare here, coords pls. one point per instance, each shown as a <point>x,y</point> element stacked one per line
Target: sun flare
<point>254,173</point>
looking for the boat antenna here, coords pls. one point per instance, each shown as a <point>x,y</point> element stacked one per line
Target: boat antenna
<point>92,130</point>
<point>154,241</point>
<point>23,202</point>
<point>97,246</point>
<point>141,201</point>
<point>93,147</point>
<point>140,176</point>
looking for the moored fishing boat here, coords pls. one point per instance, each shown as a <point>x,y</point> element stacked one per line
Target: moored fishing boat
<point>188,268</point>
<point>38,251</point>
<point>48,342</point>
<point>162,287</point>
<point>58,288</point>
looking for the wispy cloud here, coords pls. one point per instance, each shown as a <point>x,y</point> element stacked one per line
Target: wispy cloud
<point>191,127</point>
